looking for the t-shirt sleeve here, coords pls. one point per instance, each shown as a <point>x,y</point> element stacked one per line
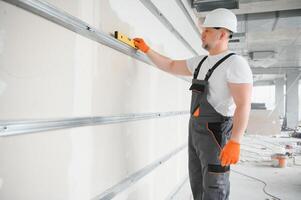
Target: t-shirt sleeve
<point>193,62</point>
<point>239,71</point>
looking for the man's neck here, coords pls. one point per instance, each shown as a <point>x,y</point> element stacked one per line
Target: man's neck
<point>213,52</point>
<point>218,49</point>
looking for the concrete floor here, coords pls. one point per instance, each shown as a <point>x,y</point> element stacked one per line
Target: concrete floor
<point>281,183</point>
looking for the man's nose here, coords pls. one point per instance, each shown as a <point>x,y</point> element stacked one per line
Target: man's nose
<point>202,36</point>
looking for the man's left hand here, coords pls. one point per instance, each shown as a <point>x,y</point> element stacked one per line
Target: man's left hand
<point>230,153</point>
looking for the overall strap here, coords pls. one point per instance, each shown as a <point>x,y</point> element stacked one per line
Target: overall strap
<point>210,71</point>
<point>196,72</point>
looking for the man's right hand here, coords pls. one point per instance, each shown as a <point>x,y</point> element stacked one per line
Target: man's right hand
<point>141,45</point>
<point>178,67</point>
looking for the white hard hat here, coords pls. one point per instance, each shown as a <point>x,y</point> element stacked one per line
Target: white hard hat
<point>221,18</point>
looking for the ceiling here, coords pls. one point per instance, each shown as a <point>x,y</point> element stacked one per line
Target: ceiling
<point>269,32</point>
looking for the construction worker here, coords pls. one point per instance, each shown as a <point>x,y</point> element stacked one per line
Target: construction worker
<point>220,104</point>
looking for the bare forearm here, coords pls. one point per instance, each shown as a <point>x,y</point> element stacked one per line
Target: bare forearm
<point>177,67</point>
<point>240,121</point>
<point>162,62</point>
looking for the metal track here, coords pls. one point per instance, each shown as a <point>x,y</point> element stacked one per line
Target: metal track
<point>76,25</point>
<point>132,179</point>
<point>53,14</point>
<point>188,17</point>
<point>10,128</point>
<point>155,11</point>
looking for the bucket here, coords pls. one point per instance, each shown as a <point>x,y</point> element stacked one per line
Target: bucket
<point>278,160</point>
<point>282,162</point>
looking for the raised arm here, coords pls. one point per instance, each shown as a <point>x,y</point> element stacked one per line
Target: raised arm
<point>177,67</point>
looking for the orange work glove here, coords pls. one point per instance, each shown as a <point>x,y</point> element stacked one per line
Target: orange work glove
<point>230,153</point>
<point>141,45</point>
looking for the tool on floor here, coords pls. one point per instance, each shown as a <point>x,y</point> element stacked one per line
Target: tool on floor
<point>123,38</point>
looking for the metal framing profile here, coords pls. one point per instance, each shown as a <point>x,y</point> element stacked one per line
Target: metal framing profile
<point>18,127</point>
<point>51,13</point>
<point>155,11</point>
<point>133,178</point>
<point>10,128</point>
<point>176,191</point>
<point>76,25</point>
<point>188,16</point>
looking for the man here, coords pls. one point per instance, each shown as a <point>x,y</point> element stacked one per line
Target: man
<point>220,104</point>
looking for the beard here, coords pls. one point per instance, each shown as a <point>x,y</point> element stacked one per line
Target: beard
<point>206,46</point>
<point>209,45</point>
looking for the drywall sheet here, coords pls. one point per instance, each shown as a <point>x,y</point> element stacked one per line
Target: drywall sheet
<point>47,71</point>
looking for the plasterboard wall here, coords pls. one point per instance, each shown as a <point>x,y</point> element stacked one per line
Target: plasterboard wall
<point>47,71</point>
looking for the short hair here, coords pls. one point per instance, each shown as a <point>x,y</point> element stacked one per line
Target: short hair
<point>230,32</point>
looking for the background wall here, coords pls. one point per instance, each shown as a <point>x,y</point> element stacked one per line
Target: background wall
<point>47,71</point>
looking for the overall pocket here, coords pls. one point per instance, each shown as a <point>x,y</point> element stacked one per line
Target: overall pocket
<point>215,132</point>
<point>216,182</point>
<point>221,131</point>
<point>195,99</point>
<point>197,91</point>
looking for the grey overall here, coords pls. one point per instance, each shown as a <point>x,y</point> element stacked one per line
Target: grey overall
<point>208,133</point>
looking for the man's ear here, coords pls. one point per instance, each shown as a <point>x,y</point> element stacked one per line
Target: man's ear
<point>222,35</point>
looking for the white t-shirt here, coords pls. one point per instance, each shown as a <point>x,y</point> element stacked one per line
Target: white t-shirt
<point>234,69</point>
